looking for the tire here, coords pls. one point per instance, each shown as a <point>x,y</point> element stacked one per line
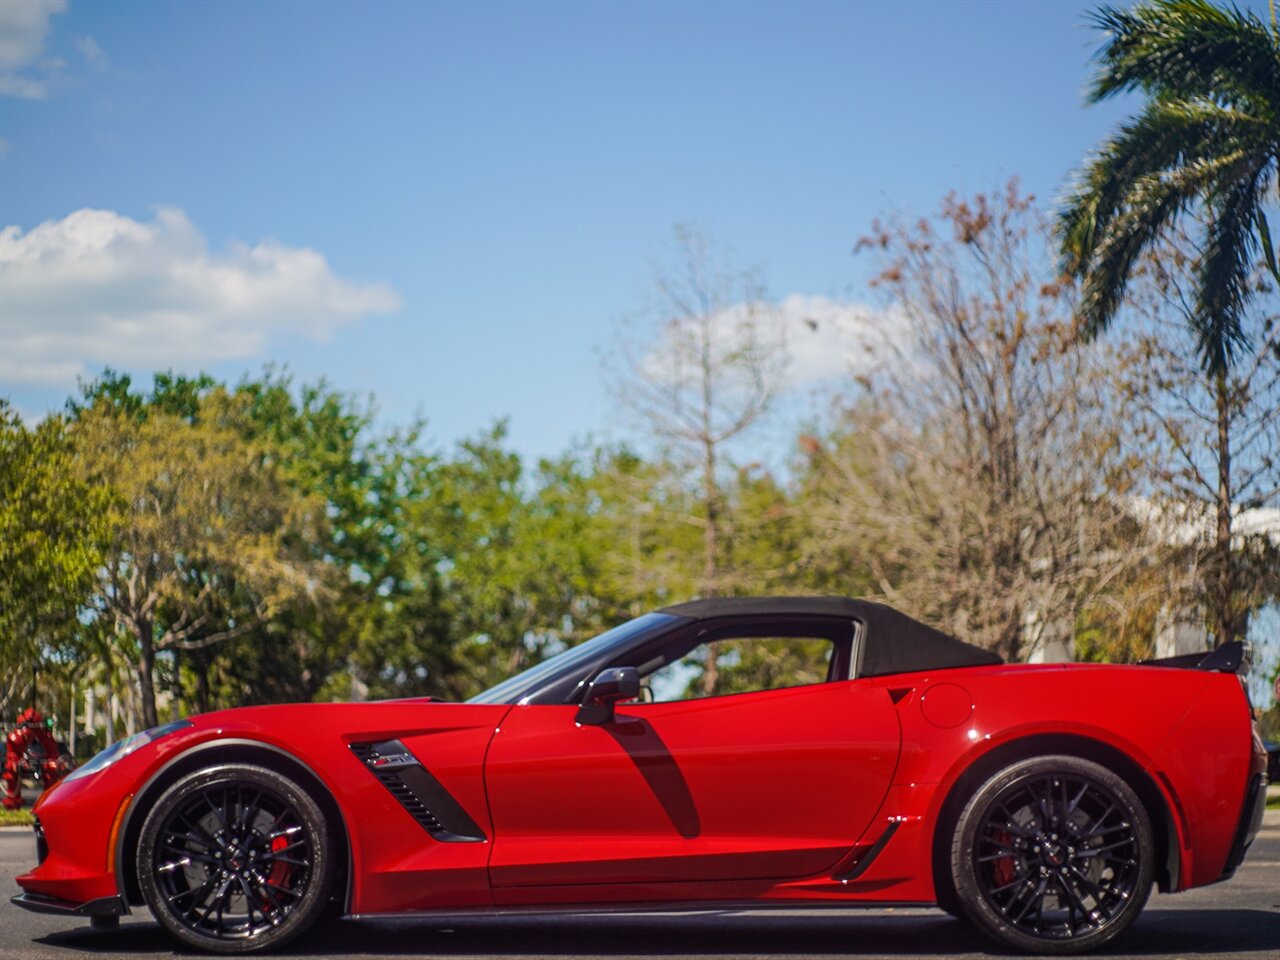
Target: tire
<point>235,859</point>
<point>945,897</point>
<point>1053,855</point>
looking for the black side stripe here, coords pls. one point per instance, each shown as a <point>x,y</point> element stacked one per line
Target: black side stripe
<point>420,793</point>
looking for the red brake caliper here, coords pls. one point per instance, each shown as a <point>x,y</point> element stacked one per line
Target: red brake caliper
<point>1003,868</point>
<point>279,871</point>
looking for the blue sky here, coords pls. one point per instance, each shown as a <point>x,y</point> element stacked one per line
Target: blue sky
<point>453,205</point>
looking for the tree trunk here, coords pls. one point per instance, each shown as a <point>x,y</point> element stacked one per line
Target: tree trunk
<point>71,726</point>
<point>109,728</point>
<point>711,496</point>
<point>203,666</point>
<point>710,556</point>
<point>1222,590</point>
<point>711,532</point>
<point>146,674</point>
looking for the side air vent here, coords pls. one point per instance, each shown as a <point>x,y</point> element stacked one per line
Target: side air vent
<point>42,845</point>
<point>420,793</point>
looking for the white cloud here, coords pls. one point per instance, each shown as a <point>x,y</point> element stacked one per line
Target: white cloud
<point>93,54</point>
<point>23,88</point>
<point>830,338</point>
<point>810,340</point>
<point>99,288</point>
<point>24,26</point>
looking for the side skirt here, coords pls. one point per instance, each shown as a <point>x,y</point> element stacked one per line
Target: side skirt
<point>692,907</point>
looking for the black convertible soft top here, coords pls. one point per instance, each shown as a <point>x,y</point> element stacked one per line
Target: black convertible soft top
<point>892,642</point>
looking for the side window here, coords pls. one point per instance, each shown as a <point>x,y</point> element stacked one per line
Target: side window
<point>726,663</point>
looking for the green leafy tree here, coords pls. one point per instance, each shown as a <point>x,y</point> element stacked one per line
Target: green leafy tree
<point>50,541</point>
<point>200,527</point>
<point>321,442</point>
<point>1206,142</point>
<point>486,568</point>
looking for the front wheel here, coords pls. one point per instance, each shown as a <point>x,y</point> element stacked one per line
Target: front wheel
<point>1053,855</point>
<point>235,858</point>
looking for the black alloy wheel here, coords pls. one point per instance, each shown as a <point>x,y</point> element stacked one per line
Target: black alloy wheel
<point>1053,855</point>
<point>235,858</point>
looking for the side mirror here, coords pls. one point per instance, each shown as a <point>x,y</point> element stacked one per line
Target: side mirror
<point>609,688</point>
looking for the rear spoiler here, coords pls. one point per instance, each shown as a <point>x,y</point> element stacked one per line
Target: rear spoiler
<point>1233,657</point>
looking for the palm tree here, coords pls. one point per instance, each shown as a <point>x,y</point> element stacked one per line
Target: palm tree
<point>1206,142</point>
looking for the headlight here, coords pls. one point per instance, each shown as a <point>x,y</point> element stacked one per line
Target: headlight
<point>122,748</point>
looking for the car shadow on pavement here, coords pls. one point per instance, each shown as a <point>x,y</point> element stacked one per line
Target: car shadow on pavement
<point>1158,933</point>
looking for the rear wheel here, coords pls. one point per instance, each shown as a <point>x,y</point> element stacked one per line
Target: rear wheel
<point>235,858</point>
<point>1053,855</point>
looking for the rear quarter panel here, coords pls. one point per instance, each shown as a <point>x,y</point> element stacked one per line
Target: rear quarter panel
<point>1189,731</point>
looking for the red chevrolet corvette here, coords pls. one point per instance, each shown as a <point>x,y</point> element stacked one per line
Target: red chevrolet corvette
<point>751,751</point>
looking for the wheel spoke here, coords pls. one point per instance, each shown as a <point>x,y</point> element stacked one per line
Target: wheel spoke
<point>1076,902</point>
<point>251,813</point>
<point>1094,830</point>
<point>248,903</point>
<point>224,901</point>
<point>1100,894</point>
<point>195,893</point>
<point>197,855</point>
<point>290,860</point>
<point>217,812</point>
<point>1002,853</point>
<point>1036,898</point>
<point>208,909</point>
<point>1075,801</point>
<point>1105,849</point>
<point>1071,913</point>
<point>1020,881</point>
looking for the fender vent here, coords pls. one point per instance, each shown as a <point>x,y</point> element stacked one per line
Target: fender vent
<point>421,794</point>
<point>42,845</point>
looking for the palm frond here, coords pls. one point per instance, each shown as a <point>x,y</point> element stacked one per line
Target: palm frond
<point>1230,252</point>
<point>1208,136</point>
<point>1182,48</point>
<point>1165,137</point>
<point>1152,202</point>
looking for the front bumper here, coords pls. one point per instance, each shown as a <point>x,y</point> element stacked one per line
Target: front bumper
<point>72,848</point>
<point>101,907</point>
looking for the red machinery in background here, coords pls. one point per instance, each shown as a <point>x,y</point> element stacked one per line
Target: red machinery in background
<point>30,751</point>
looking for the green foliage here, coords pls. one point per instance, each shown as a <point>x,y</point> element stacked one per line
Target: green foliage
<point>766,664</point>
<point>51,531</point>
<point>16,818</point>
<point>204,537</point>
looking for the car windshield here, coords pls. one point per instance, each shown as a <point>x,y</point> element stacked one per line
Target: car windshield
<point>522,684</point>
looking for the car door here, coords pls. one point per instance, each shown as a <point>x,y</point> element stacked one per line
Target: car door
<point>751,783</point>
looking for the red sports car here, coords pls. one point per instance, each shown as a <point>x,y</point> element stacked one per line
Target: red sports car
<point>755,751</point>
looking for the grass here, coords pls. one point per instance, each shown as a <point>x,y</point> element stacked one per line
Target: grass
<point>1273,802</point>
<point>15,818</point>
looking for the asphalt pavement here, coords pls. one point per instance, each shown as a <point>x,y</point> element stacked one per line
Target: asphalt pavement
<point>1235,920</point>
